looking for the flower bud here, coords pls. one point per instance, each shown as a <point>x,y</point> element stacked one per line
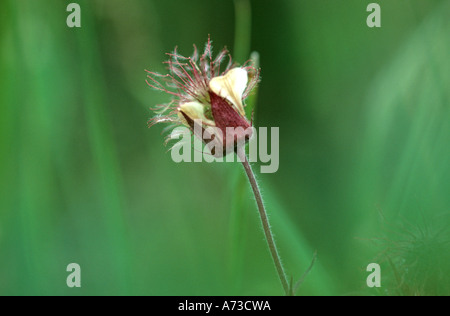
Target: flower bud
<point>206,99</point>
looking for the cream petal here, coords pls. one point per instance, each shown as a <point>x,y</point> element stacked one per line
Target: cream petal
<point>195,111</point>
<point>231,87</point>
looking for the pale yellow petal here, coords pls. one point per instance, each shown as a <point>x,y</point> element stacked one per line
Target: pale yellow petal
<point>195,111</point>
<point>231,87</point>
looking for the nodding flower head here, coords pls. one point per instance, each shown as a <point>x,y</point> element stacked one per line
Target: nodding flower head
<point>206,97</point>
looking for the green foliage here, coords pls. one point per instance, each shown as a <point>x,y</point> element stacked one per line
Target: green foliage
<point>363,117</point>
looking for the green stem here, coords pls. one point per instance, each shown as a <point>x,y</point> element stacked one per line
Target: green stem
<point>243,29</point>
<point>264,219</point>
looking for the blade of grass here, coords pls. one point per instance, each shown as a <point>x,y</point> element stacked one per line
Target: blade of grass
<point>104,151</point>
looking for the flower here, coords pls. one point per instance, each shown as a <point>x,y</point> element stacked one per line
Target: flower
<point>205,98</point>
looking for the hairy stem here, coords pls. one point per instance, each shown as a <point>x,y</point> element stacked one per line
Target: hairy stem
<point>264,219</point>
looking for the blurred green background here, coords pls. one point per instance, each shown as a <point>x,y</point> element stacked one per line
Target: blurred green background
<point>364,172</point>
